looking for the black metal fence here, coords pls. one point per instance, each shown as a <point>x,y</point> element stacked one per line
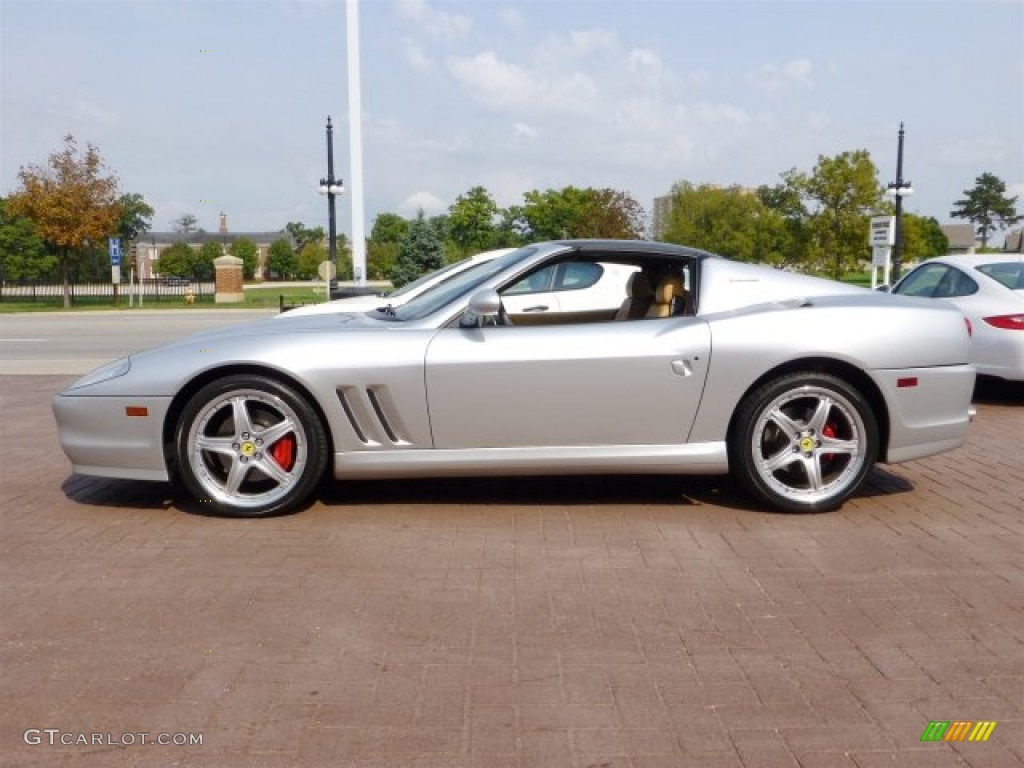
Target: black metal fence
<point>163,290</point>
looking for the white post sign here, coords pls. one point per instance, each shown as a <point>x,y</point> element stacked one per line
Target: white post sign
<point>114,245</point>
<point>881,238</point>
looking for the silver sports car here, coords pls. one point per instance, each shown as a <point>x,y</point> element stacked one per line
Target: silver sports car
<point>699,365</point>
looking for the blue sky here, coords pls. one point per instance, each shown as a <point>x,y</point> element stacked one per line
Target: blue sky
<point>211,105</point>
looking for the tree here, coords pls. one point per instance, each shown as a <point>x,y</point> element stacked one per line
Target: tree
<point>421,251</point>
<point>732,222</point>
<point>175,260</point>
<point>842,191</point>
<point>386,235</point>
<point>922,238</point>
<point>471,221</point>
<point>185,223</point>
<point>23,254</point>
<point>136,217</point>
<point>281,259</point>
<point>302,235</point>
<point>572,212</point>
<point>246,250</point>
<point>987,206</point>
<point>73,203</point>
<point>309,259</point>
<point>200,263</point>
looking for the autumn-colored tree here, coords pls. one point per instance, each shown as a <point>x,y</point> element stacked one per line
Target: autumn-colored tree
<point>72,202</point>
<point>574,212</point>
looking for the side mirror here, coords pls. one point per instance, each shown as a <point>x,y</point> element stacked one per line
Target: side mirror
<point>884,288</point>
<point>483,305</point>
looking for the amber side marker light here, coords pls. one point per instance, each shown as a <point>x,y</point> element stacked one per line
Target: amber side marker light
<point>136,410</point>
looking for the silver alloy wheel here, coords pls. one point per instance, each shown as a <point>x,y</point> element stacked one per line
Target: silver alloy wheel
<point>235,448</point>
<point>809,444</point>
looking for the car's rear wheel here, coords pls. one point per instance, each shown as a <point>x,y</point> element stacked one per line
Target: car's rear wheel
<point>250,446</point>
<point>804,442</point>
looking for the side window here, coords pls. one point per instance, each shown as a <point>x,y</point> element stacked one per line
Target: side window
<point>955,283</point>
<point>537,282</point>
<point>923,281</point>
<point>1010,274</point>
<point>577,275</point>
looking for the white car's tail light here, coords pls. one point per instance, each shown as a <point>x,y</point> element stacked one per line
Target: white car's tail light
<point>1006,322</point>
<point>970,328</point>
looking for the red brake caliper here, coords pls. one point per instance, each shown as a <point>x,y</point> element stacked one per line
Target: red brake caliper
<point>830,432</point>
<point>283,452</point>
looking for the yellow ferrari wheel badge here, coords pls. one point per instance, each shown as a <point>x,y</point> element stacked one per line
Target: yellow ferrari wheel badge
<point>248,449</point>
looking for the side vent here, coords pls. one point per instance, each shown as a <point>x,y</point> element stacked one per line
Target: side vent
<point>372,416</point>
<point>371,394</point>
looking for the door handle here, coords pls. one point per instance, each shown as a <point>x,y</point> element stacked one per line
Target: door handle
<point>538,308</point>
<point>682,367</point>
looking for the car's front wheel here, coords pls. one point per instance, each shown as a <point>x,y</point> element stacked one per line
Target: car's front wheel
<point>250,446</point>
<point>804,442</point>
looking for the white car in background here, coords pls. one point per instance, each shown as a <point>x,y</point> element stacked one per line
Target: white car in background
<point>988,288</point>
<point>397,297</point>
<point>571,290</point>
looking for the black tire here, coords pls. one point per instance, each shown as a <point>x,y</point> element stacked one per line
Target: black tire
<point>803,442</point>
<point>250,446</point>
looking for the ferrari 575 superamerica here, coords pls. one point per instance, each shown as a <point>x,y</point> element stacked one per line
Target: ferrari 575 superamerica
<point>697,364</point>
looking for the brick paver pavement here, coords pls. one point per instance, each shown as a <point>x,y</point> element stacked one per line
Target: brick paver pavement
<point>592,623</point>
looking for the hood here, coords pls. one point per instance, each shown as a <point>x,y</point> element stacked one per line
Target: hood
<point>280,324</point>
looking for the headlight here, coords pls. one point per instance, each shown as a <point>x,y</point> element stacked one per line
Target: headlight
<point>104,373</point>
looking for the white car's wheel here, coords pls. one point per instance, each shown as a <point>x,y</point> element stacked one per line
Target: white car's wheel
<point>804,442</point>
<point>250,446</point>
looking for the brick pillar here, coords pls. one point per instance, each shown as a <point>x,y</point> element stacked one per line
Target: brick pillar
<point>228,280</point>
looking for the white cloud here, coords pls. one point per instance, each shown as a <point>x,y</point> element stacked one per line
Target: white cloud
<point>429,203</point>
<point>507,87</point>
<point>644,61</point>
<point>436,24</point>
<point>417,59</point>
<point>522,129</point>
<point>584,42</point>
<point>773,78</point>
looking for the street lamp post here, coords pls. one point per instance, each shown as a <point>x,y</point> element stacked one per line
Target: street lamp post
<point>899,189</point>
<point>331,187</point>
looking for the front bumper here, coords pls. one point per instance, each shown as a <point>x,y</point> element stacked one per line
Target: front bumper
<point>100,437</point>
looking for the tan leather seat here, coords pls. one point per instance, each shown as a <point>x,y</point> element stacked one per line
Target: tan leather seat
<point>638,298</point>
<point>669,297</point>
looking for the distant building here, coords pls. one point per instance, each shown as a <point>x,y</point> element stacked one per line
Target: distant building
<point>961,237</point>
<point>150,245</point>
<point>662,209</point>
<point>1014,241</point>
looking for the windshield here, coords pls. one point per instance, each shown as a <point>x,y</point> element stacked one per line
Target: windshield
<point>455,287</point>
<point>421,281</point>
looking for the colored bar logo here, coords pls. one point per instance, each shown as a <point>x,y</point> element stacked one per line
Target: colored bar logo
<point>958,730</point>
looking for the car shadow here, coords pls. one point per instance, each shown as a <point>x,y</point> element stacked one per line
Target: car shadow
<point>573,491</point>
<point>998,391</point>
<point>110,492</point>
